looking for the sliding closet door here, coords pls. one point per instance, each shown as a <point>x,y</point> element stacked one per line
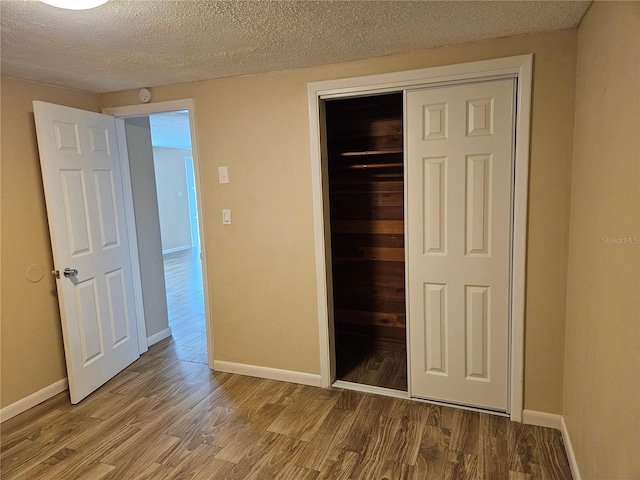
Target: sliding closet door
<point>459,189</point>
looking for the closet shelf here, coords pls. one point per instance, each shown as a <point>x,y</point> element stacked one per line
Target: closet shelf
<point>362,166</point>
<point>371,152</point>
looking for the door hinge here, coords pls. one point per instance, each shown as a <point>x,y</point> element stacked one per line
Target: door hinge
<point>56,273</point>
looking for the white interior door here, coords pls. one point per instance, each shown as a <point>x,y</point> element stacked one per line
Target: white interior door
<point>87,221</point>
<point>459,204</point>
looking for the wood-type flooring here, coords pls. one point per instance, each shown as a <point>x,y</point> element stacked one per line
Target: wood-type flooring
<point>372,366</point>
<point>185,304</point>
<point>166,418</point>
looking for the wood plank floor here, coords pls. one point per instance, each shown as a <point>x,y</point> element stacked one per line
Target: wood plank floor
<point>371,366</point>
<point>166,418</point>
<point>185,302</point>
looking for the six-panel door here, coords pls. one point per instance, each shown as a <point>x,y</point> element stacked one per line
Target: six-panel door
<point>459,187</point>
<point>87,221</point>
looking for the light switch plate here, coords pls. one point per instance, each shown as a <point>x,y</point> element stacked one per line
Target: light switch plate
<point>223,175</point>
<point>226,216</point>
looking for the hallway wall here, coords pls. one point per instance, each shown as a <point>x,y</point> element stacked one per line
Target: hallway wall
<point>173,200</point>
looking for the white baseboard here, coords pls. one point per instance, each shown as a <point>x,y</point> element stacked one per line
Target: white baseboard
<point>266,372</point>
<point>176,249</point>
<point>552,420</point>
<point>32,400</point>
<point>157,337</point>
<point>569,449</point>
<point>541,419</point>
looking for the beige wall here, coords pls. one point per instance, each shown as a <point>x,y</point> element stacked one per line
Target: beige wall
<point>602,360</point>
<point>31,344</point>
<point>145,206</point>
<point>262,269</point>
<point>173,200</point>
<point>262,277</point>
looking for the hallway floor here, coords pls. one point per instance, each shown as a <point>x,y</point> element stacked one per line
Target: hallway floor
<point>185,302</point>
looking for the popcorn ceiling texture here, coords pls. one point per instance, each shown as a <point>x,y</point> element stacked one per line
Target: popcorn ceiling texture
<point>139,43</point>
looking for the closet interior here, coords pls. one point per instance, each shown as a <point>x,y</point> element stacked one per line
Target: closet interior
<point>366,202</point>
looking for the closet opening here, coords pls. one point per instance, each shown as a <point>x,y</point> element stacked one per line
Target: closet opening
<point>366,202</point>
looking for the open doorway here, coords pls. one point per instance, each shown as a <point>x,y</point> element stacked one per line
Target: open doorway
<point>179,231</point>
<point>366,200</point>
<point>176,312</point>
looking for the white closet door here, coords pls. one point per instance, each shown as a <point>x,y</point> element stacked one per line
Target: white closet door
<point>459,207</point>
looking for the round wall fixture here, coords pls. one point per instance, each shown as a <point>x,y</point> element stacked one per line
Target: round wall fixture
<point>144,95</point>
<point>35,273</point>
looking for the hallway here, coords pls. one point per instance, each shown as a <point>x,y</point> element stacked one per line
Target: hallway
<point>185,303</point>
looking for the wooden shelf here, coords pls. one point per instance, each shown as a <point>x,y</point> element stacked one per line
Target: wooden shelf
<point>371,152</point>
<point>362,166</point>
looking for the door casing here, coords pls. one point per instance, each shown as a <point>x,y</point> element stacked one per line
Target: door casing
<point>518,67</point>
<point>160,107</point>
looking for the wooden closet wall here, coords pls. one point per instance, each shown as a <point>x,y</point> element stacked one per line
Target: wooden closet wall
<point>366,194</point>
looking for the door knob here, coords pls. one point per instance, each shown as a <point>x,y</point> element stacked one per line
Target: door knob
<point>70,272</point>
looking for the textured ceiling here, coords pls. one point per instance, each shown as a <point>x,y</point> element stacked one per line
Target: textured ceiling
<point>134,43</point>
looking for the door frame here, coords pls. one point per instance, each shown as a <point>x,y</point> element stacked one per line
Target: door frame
<point>518,67</point>
<point>128,111</point>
